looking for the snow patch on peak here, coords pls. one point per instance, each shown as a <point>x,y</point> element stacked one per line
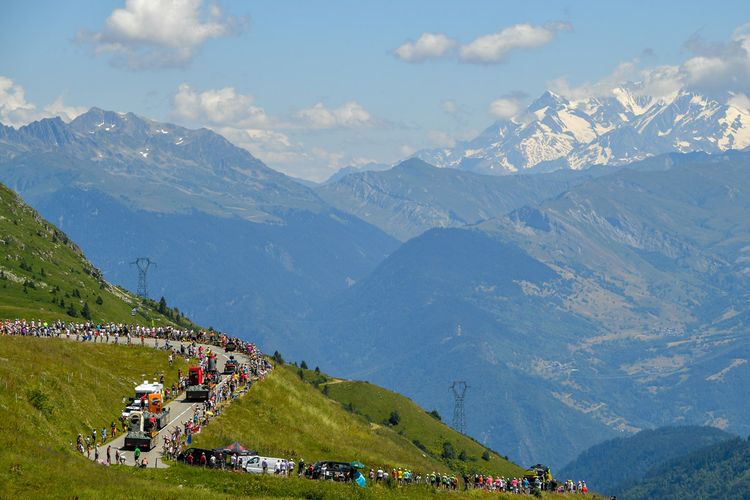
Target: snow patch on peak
<point>632,103</point>
<point>579,127</point>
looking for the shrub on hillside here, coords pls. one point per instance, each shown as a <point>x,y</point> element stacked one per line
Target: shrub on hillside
<point>394,418</point>
<point>40,401</point>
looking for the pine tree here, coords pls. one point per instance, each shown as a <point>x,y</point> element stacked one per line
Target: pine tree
<point>85,312</point>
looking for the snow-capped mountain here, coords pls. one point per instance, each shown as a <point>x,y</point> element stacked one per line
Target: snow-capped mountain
<point>554,132</point>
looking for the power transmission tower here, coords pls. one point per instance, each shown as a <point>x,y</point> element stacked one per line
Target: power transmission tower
<point>459,416</point>
<point>143,264</point>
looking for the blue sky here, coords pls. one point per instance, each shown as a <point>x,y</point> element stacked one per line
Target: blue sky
<point>310,86</point>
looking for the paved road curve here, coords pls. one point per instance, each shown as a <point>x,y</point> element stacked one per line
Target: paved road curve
<point>180,411</point>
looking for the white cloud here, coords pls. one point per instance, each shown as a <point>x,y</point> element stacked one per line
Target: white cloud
<point>64,111</point>
<point>450,106</point>
<point>740,101</point>
<point>158,33</point>
<point>406,150</point>
<point>278,141</point>
<point>236,117</point>
<point>427,46</point>
<point>349,115</point>
<point>223,107</point>
<point>265,140</point>
<point>625,71</point>
<point>441,139</point>
<point>505,107</point>
<point>496,47</point>
<point>719,66</point>
<point>492,48</point>
<point>15,110</point>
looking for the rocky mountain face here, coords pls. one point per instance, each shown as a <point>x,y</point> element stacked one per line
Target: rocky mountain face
<point>237,244</point>
<point>616,129</point>
<point>619,305</point>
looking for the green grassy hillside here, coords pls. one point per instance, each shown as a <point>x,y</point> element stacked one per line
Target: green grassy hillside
<point>423,429</point>
<point>82,385</point>
<point>286,417</point>
<point>615,465</point>
<point>44,275</point>
<point>720,471</point>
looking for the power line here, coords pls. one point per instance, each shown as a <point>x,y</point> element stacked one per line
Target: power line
<point>143,264</point>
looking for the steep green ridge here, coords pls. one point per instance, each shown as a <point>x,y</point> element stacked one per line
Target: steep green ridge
<point>614,465</point>
<point>721,471</point>
<point>44,275</point>
<point>286,417</point>
<point>424,430</point>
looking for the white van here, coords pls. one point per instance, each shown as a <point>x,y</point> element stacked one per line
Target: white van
<point>254,464</point>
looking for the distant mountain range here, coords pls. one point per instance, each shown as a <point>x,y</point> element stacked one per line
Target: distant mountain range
<point>619,128</point>
<point>148,166</point>
<point>414,196</point>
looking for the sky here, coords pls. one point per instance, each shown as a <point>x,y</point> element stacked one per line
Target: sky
<point>312,86</point>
